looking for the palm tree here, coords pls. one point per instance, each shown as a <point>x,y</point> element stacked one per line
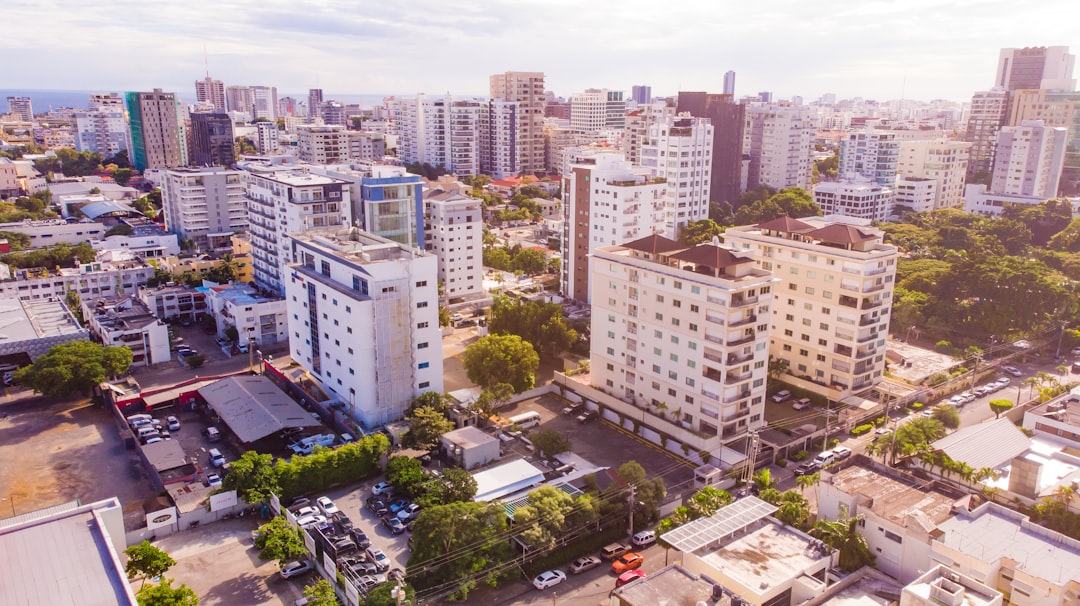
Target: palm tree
<point>879,446</point>
<point>707,500</point>
<point>804,482</point>
<point>763,479</point>
<point>843,535</point>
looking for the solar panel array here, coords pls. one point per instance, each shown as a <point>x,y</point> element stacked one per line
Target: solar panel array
<point>724,523</point>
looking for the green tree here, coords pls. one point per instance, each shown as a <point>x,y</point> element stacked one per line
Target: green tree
<point>457,541</point>
<point>74,368</point>
<point>426,426</point>
<point>382,595</point>
<point>430,399</point>
<point>253,477</point>
<point>843,535</point>
<point>146,560</point>
<point>278,540</point>
<point>708,501</point>
<point>455,485</point>
<point>122,176</point>
<point>550,442</point>
<point>16,240</point>
<point>794,509</point>
<point>763,479</point>
<point>539,323</point>
<point>226,270</point>
<point>545,517</point>
<point>407,475</point>
<point>195,361</point>
<point>806,481</point>
<point>164,594</point>
<point>698,232</point>
<point>649,492</point>
<point>948,415</point>
<point>321,593</point>
<point>498,359</point>
<point>1000,406</point>
<point>123,229</point>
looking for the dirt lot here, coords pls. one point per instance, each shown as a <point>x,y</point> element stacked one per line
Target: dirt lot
<point>55,452</point>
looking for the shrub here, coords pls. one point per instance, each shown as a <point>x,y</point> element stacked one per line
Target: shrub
<point>833,442</point>
<point>781,462</point>
<point>802,455</point>
<point>917,405</point>
<point>943,346</point>
<point>861,429</point>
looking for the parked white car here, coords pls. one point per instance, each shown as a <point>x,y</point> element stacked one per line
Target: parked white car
<point>548,578</point>
<point>327,506</point>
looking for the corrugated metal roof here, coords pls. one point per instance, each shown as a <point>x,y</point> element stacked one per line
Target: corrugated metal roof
<point>724,523</point>
<point>986,444</point>
<point>253,407</point>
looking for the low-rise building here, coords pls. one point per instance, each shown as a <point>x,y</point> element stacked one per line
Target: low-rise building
<point>256,317</point>
<point>914,194</point>
<point>979,201</point>
<point>49,232</point>
<point>170,302</point>
<point>942,585</point>
<point>1059,418</point>
<point>128,322</point>
<point>201,264</point>
<point>29,328</point>
<point>147,240</point>
<point>859,198</point>
<point>672,585</point>
<point>469,447</point>
<point>90,280</point>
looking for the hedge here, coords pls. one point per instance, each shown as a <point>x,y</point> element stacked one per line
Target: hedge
<point>802,455</point>
<point>568,553</point>
<point>326,467</point>
<point>861,429</point>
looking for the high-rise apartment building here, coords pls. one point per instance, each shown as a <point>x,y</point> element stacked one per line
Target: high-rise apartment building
<point>942,161</point>
<point>266,140</point>
<point>831,314</point>
<point>985,118</point>
<point>334,144</point>
<point>240,99</point>
<point>285,202</point>
<point>1029,159</point>
<point>500,151</point>
<point>679,149</point>
<point>527,89</point>
<point>779,142</point>
<point>729,83</point>
<point>1040,104</point>
<point>211,91</point>
<point>607,201</point>
<point>212,141</point>
<point>870,154</point>
<point>464,136</point>
<point>333,112</point>
<point>156,138</point>
<point>683,329</point>
<point>728,121</point>
<point>264,102</point>
<point>315,101</point>
<point>205,205</point>
<point>22,107</point>
<point>454,233</point>
<point>364,320</point>
<point>102,129</point>
<point>641,94</point>
<point>386,200</point>
<point>1048,67</point>
<point>597,110</point>
<point>859,197</point>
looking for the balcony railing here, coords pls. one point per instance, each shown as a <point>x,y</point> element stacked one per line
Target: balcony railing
<point>733,378</point>
<point>742,340</point>
<point>749,319</point>
<point>871,303</point>
<point>740,396</point>
<point>743,301</point>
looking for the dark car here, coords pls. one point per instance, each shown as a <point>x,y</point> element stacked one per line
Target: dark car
<point>360,538</point>
<point>587,416</point>
<point>378,507</point>
<point>807,468</point>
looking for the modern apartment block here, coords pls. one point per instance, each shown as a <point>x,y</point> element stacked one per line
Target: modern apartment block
<point>1053,109</point>
<point>364,320</point>
<point>500,150</point>
<point>211,91</point>
<point>1049,67</point>
<point>641,94</point>
<point>1029,159</point>
<point>860,198</point>
<point>728,120</point>
<point>683,329</point>
<point>103,129</point>
<point>156,138</point>
<point>454,233</point>
<point>943,161</point>
<point>212,142</point>
<point>386,200</point>
<point>916,195</point>
<point>680,149</point>
<point>22,107</point>
<point>779,142</point>
<point>597,110</point>
<point>333,144</point>
<point>831,316</point>
<point>729,83</point>
<point>267,138</point>
<point>464,136</point>
<point>174,302</point>
<point>286,202</point>
<point>264,102</point>
<point>315,100</point>
<point>870,154</point>
<point>607,201</point>
<point>91,280</point>
<point>527,89</point>
<point>240,100</point>
<point>985,118</point>
<point>258,319</point>
<point>205,205</point>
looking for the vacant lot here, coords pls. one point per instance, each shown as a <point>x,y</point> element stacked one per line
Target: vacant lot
<point>58,451</point>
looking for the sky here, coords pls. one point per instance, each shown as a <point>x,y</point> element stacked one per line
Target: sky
<point>912,49</point>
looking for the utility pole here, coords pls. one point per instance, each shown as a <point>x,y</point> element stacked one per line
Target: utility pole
<point>975,371</point>
<point>1061,336</point>
<point>630,528</point>
<point>828,414</point>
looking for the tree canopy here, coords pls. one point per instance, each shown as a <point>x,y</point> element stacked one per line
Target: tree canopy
<point>698,232</point>
<point>793,202</point>
<point>164,594</point>
<point>320,593</point>
<point>426,426</point>
<point>74,368</point>
<point>539,323</point>
<point>253,477</point>
<point>455,541</point>
<point>70,162</point>
<point>498,359</point>
<point>146,561</point>
<point>278,540</point>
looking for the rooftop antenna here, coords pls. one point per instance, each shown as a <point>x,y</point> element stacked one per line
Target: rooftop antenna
<point>206,61</point>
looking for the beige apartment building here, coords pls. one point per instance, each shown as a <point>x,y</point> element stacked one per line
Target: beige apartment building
<point>942,161</point>
<point>527,89</point>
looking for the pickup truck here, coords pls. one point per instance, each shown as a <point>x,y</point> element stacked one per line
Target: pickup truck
<point>308,444</point>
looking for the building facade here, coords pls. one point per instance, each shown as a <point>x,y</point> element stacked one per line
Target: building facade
<point>211,91</point>
<point>212,140</point>
<point>331,144</point>
<point>1029,159</point>
<point>128,322</point>
<point>1049,67</point>
<point>90,280</point>
<point>289,202</point>
<point>686,328</point>
<point>267,137</point>
<point>156,138</point>
<point>205,205</point>
<point>728,120</point>
<point>985,118</point>
<point>641,94</point>
<point>102,129</point>
<point>454,233</point>
<point>364,320</point>
<point>259,320</point>
<point>680,150</point>
<point>22,107</point>
<point>942,161</point>
<point>597,110</point>
<point>527,90</point>
<point>831,316</point>
<point>779,142</point>
<point>870,154</point>
<point>169,302</point>
<point>264,102</point>
<point>860,198</point>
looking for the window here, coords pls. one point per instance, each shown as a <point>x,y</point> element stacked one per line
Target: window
<point>422,325</point>
<point>809,290</point>
<point>656,351</point>
<point>421,284</point>
<point>673,357</point>
<point>691,363</point>
<point>423,365</point>
<point>676,303</point>
<point>820,358</point>
<point>658,334</point>
<point>660,317</point>
<point>610,351</point>
<point>421,305</point>
<point>423,345</point>
<point>792,286</point>
<point>693,327</point>
<point>671,392</point>
<point>694,308</point>
<point>425,385</point>
<point>696,290</point>
<point>787,332</point>
<point>675,339</point>
<point>787,347</point>
<point>659,298</point>
<point>674,376</point>
<point>823,342</point>
<point>789,317</point>
<point>656,368</point>
<point>674,321</point>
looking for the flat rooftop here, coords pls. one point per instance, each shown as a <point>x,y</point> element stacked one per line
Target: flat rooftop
<point>356,245</point>
<point>671,586</point>
<point>505,479</point>
<point>940,584</point>
<point>768,556</point>
<point>29,320</point>
<point>299,178</point>
<point>890,498</point>
<point>1063,409</point>
<point>468,437</point>
<point>995,532</point>
<point>241,294</point>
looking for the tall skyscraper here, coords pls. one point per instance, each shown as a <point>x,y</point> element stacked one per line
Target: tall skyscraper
<point>728,120</point>
<point>987,114</point>
<point>156,138</point>
<point>527,89</point>
<point>779,141</point>
<point>211,91</point>
<point>315,100</point>
<point>597,110</point>
<point>264,102</point>
<point>1049,67</point>
<point>1028,159</point>
<point>641,94</point>
<point>103,128</point>
<point>240,99</point>
<point>211,140</point>
<point>729,82</point>
<point>22,107</point>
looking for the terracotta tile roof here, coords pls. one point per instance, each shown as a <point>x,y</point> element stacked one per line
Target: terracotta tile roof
<point>785,224</point>
<point>655,244</point>
<point>840,233</point>
<point>711,255</point>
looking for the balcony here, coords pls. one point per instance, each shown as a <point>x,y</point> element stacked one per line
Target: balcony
<point>740,301</point>
<point>843,350</point>
<point>734,359</point>
<point>714,318</point>
<point>867,337</point>
<point>735,416</point>
<point>737,397</point>
<point>712,374</point>
<point>864,352</point>
<point>733,378</point>
<point>743,340</point>
<point>868,321</point>
<point>874,287</point>
<point>747,319</point>
<point>714,339</point>
<point>710,395</point>
<point>847,301</point>
<point>871,303</point>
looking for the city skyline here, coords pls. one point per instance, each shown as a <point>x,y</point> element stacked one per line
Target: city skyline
<point>880,51</point>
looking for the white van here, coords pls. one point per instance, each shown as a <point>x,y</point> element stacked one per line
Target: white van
<point>139,419</point>
<point>145,431</point>
<point>825,458</point>
<point>525,420</point>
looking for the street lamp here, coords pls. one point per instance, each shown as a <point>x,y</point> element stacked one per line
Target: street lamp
<point>251,348</point>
